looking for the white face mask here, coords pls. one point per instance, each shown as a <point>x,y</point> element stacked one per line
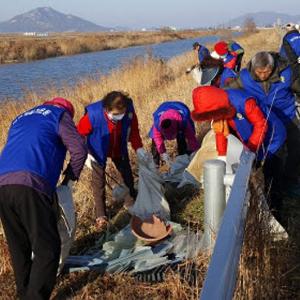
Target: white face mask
<point>115,118</point>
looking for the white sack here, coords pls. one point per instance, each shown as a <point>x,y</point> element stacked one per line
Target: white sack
<point>150,199</point>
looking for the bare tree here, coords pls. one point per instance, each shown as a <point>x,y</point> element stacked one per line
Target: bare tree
<point>249,25</point>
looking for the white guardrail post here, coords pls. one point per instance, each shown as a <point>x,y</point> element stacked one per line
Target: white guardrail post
<point>214,198</point>
<point>221,276</point>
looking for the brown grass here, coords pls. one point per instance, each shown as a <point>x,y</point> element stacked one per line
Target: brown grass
<point>150,82</point>
<point>21,48</point>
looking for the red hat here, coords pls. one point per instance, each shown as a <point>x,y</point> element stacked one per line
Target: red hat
<point>211,103</point>
<point>221,48</point>
<point>64,103</point>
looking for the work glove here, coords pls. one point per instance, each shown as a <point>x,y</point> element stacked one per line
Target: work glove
<point>188,71</point>
<point>166,158</point>
<point>89,160</point>
<point>222,158</point>
<point>299,60</point>
<point>142,155</point>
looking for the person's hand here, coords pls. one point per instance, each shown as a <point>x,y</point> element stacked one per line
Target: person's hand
<point>101,223</point>
<point>89,160</point>
<point>188,70</point>
<point>299,60</point>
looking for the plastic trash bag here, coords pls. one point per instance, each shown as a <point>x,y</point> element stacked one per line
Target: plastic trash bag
<point>150,199</point>
<point>197,75</point>
<point>120,192</point>
<point>207,151</point>
<point>66,222</point>
<point>177,169</point>
<point>234,150</point>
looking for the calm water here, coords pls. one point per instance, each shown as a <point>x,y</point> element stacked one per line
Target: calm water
<point>15,79</point>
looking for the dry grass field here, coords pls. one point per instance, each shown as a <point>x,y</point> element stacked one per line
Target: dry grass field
<point>18,48</point>
<point>267,269</point>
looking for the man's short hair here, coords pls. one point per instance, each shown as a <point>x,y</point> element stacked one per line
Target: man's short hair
<point>195,45</point>
<point>262,60</point>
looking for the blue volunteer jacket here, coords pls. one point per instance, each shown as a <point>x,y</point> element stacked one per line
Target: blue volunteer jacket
<point>34,145</point>
<point>98,140</point>
<point>176,105</point>
<point>290,48</point>
<point>226,74</point>
<point>276,133</point>
<point>203,53</point>
<point>280,97</point>
<point>235,47</point>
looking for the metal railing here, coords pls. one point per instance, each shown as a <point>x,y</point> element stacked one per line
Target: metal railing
<point>220,281</point>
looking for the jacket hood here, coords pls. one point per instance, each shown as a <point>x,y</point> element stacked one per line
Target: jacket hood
<point>63,103</point>
<point>175,118</point>
<point>211,103</point>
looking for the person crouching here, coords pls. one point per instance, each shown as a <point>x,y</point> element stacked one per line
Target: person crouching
<point>172,120</point>
<point>238,112</point>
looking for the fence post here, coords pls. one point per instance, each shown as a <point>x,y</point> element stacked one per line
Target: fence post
<point>214,198</point>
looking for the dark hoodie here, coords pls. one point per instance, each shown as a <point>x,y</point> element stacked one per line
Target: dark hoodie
<point>280,65</point>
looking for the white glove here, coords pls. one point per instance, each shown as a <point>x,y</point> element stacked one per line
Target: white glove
<point>166,158</point>
<point>142,154</point>
<point>89,161</point>
<point>299,60</point>
<point>223,158</point>
<point>189,70</point>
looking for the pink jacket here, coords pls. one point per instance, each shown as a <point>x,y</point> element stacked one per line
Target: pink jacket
<point>159,137</point>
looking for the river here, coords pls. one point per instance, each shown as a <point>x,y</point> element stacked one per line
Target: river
<point>16,79</point>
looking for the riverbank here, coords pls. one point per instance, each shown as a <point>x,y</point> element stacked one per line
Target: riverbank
<point>18,48</point>
<point>149,82</point>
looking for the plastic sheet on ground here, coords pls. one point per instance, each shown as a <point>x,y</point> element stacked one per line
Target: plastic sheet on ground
<point>150,199</point>
<point>120,255</point>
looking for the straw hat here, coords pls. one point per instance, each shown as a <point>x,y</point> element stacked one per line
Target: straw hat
<point>151,230</point>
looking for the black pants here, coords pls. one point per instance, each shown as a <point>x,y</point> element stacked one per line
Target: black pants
<point>274,174</point>
<point>292,167</point>
<point>181,149</point>
<point>99,183</point>
<point>30,225</point>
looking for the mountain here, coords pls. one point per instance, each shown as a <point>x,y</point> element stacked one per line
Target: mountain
<point>266,18</point>
<point>46,19</point>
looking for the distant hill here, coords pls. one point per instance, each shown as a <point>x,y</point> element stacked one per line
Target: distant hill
<point>264,19</point>
<point>46,19</point>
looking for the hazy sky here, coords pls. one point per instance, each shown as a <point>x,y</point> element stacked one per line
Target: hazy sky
<point>139,13</point>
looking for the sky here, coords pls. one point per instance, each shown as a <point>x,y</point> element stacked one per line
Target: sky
<point>148,13</point>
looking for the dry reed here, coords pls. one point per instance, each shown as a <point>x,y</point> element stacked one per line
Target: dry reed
<point>149,81</point>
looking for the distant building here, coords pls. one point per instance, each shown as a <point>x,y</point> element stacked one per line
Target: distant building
<point>37,34</point>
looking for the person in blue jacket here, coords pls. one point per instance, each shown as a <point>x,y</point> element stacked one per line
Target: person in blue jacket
<point>290,49</point>
<point>268,78</point>
<point>201,51</point>
<point>30,166</point>
<point>172,120</point>
<point>258,128</point>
